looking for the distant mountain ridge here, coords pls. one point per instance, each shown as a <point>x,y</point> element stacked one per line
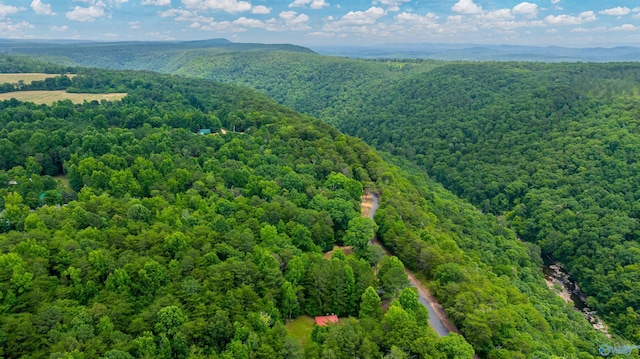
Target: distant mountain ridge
<point>131,54</point>
<point>76,50</point>
<point>9,45</point>
<point>452,52</point>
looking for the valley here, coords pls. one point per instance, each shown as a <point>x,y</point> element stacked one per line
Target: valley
<point>468,157</point>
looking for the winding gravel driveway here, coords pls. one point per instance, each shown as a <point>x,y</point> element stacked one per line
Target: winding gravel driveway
<point>437,317</point>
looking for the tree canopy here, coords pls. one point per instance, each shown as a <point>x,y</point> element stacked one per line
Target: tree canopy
<point>124,232</point>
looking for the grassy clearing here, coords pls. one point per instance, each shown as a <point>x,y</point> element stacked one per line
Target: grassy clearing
<point>300,328</point>
<point>49,97</point>
<point>27,78</point>
<point>346,249</point>
<point>64,181</point>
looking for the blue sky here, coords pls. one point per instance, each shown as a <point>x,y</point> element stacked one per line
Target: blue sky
<point>573,23</point>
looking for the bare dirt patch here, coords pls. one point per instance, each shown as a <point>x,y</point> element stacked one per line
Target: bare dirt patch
<point>366,205</point>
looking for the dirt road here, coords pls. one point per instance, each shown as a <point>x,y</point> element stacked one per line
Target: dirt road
<point>437,317</point>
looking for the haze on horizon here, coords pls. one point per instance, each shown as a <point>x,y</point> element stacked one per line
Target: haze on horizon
<point>585,23</point>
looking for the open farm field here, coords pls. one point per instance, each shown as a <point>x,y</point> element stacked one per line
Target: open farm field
<point>49,97</point>
<point>27,77</point>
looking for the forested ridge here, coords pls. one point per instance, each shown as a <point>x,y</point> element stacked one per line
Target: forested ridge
<point>171,244</point>
<point>550,148</point>
<point>293,76</point>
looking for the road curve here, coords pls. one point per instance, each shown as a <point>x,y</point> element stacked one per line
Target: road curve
<point>437,317</point>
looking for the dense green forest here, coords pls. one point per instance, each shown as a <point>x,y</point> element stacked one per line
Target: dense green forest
<point>548,148</point>
<point>553,148</point>
<point>165,243</point>
<point>169,244</point>
<point>301,79</point>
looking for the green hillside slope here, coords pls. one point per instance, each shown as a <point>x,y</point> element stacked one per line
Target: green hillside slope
<point>292,75</point>
<point>549,146</point>
<point>159,242</point>
<point>553,147</point>
<point>124,233</point>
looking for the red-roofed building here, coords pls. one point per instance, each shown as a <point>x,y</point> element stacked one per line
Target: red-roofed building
<point>326,320</point>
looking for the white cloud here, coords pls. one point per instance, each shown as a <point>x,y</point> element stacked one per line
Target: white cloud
<point>625,27</point>
<point>295,21</point>
<point>415,18</point>
<point>526,8</point>
<point>41,8</point>
<point>11,30</point>
<point>251,23</point>
<point>588,16</point>
<point>314,4</point>
<point>417,22</point>
<point>185,15</point>
<point>86,14</point>
<point>579,29</point>
<point>393,5</point>
<point>367,17</point>
<point>261,10</point>
<point>551,31</point>
<point>157,2</point>
<point>230,6</point>
<point>472,18</point>
<point>496,15</point>
<point>288,21</point>
<point>319,34</point>
<point>467,7</point>
<point>8,10</point>
<point>133,25</point>
<point>616,11</point>
<point>62,28</point>
<point>223,26</point>
<point>554,2</point>
<point>563,19</point>
<point>358,23</point>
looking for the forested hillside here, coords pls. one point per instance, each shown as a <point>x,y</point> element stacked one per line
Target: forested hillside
<point>551,148</point>
<point>161,243</point>
<point>126,234</point>
<point>293,76</point>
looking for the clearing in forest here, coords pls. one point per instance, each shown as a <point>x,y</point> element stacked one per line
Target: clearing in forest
<point>345,249</point>
<point>27,78</point>
<point>64,181</point>
<point>49,97</point>
<point>300,328</point>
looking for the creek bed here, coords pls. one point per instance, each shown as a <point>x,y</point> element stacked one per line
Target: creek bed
<point>555,274</point>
